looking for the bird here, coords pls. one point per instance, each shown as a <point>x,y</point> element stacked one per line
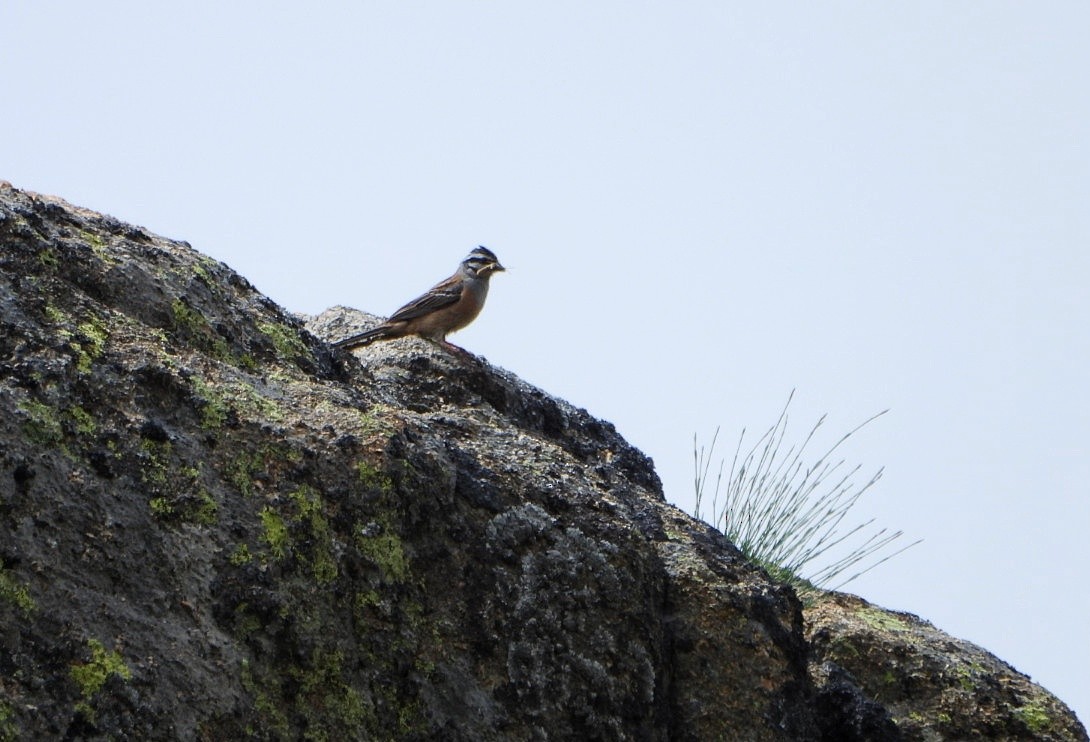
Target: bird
<point>446,307</point>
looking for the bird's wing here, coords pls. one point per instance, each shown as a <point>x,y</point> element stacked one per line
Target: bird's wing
<point>441,295</point>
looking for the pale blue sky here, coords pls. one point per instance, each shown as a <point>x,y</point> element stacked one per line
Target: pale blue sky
<point>702,206</point>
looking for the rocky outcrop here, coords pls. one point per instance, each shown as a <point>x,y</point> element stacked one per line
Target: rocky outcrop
<point>934,686</point>
<point>212,526</point>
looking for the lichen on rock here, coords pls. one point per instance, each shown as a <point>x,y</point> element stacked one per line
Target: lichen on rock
<point>212,526</point>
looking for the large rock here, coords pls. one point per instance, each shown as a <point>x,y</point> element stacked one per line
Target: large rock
<point>213,526</point>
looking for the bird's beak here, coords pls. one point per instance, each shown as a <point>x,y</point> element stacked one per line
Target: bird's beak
<point>496,268</point>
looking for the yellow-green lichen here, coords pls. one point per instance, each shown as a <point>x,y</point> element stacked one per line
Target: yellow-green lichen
<point>205,510</point>
<point>82,420</point>
<point>967,674</point>
<point>48,259</point>
<point>881,620</point>
<point>177,493</point>
<point>240,471</point>
<point>275,532</point>
<point>385,550</point>
<point>285,340</point>
<point>202,274</point>
<point>154,472</point>
<point>93,335</point>
<point>98,247</point>
<point>42,426</point>
<point>220,400</point>
<point>271,711</point>
<point>243,468</point>
<point>246,623</point>
<point>251,404</point>
<point>14,593</point>
<point>1035,716</point>
<point>215,408</point>
<point>161,507</point>
<point>191,325</point>
<point>241,556</point>
<point>56,316</point>
<point>309,509</point>
<point>333,707</point>
<point>325,703</point>
<point>378,541</point>
<point>372,477</point>
<point>91,676</point>
<point>9,732</point>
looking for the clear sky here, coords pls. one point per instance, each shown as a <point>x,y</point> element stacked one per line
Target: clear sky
<point>702,207</point>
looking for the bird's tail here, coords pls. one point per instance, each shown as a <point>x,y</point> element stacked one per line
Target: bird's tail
<point>363,338</point>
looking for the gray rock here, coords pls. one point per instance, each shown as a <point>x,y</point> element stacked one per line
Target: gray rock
<point>213,527</point>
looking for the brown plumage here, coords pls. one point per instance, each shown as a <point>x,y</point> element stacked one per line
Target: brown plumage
<point>447,307</point>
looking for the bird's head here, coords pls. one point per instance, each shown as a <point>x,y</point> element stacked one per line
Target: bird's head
<point>482,263</point>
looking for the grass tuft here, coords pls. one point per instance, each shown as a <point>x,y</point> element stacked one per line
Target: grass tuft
<point>787,515</point>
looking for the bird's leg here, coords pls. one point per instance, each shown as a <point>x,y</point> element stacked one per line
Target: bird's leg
<point>456,349</point>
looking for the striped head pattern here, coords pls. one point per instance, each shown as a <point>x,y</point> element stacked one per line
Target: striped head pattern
<point>482,262</point>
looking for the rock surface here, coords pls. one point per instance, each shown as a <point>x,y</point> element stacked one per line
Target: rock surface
<point>214,527</point>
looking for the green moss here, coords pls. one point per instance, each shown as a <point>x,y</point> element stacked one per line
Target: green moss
<point>14,593</point>
<point>55,315</point>
<point>246,623</point>
<point>307,512</point>
<point>881,620</point>
<point>967,674</point>
<point>805,589</point>
<point>844,649</point>
<point>271,711</point>
<point>275,532</point>
<point>48,259</point>
<point>378,541</point>
<point>205,510</point>
<point>177,494</point>
<point>240,398</point>
<point>192,326</point>
<point>318,696</point>
<point>269,460</point>
<point>241,556</point>
<point>155,469</point>
<point>82,421</point>
<point>364,600</point>
<point>91,676</point>
<point>334,709</point>
<point>43,426</point>
<point>187,319</point>
<point>285,340</point>
<point>9,732</point>
<point>161,507</point>
<point>252,404</point>
<point>202,273</point>
<point>1035,716</point>
<point>385,551</point>
<point>214,411</point>
<point>240,471</point>
<point>372,477</point>
<point>94,241</point>
<point>309,509</point>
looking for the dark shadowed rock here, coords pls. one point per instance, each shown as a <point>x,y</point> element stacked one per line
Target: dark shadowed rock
<point>214,527</point>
